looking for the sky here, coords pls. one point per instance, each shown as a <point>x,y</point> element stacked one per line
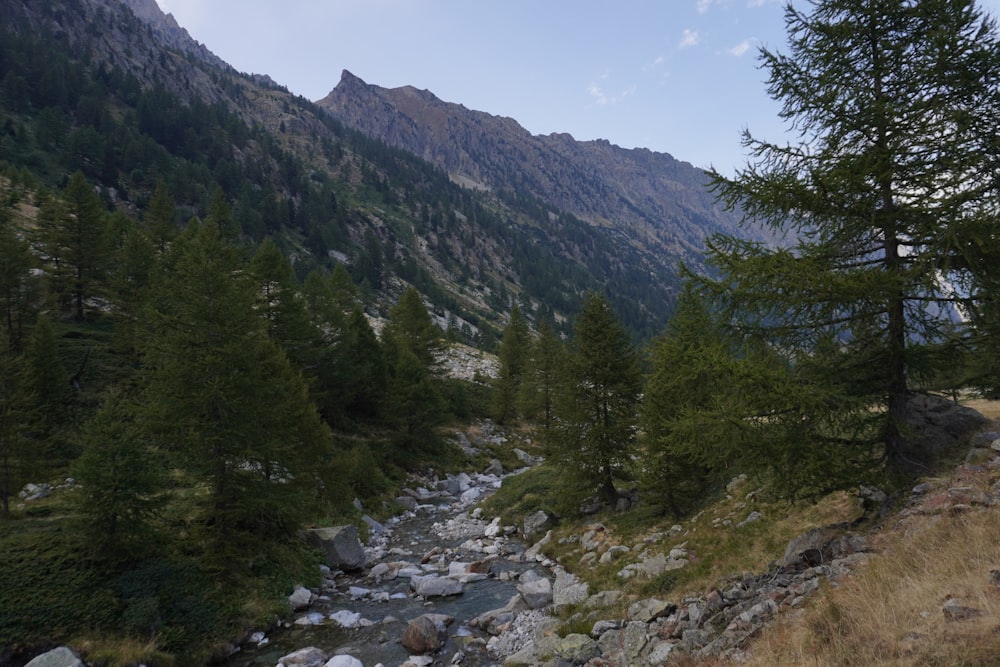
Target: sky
<point>674,76</point>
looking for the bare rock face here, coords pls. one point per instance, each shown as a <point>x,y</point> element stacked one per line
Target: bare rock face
<point>341,545</point>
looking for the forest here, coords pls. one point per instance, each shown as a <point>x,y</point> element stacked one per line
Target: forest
<point>184,359</point>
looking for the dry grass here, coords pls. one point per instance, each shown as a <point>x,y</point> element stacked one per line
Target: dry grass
<point>124,652</point>
<point>989,409</point>
<point>890,612</point>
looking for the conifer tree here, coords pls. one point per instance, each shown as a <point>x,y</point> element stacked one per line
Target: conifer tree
<point>889,198</point>
<point>515,348</point>
<point>122,480</point>
<point>18,449</point>
<point>77,243</point>
<point>686,399</point>
<point>597,412</point>
<point>414,403</point>
<point>224,399</point>
<point>411,327</point>
<point>160,217</point>
<point>542,384</point>
<point>17,286</point>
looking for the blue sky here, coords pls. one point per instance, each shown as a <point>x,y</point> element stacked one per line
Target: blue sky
<point>674,76</point>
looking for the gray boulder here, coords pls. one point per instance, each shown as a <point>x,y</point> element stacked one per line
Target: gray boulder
<point>341,546</point>
<point>434,586</point>
<point>300,598</point>
<point>304,657</point>
<point>536,593</point>
<point>344,661</point>
<point>57,657</point>
<point>536,524</point>
<point>936,425</point>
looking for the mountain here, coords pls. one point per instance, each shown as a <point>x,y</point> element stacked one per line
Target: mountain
<point>661,202</point>
<point>401,187</point>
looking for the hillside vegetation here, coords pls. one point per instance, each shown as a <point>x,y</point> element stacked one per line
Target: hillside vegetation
<point>226,316</point>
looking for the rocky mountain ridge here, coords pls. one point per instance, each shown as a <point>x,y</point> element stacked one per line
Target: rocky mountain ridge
<point>537,221</point>
<point>659,200</point>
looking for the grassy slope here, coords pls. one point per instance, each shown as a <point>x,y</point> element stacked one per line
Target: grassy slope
<point>890,611</point>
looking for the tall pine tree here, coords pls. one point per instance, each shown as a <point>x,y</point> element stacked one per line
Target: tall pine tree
<point>597,414</point>
<point>223,397</point>
<point>889,197</point>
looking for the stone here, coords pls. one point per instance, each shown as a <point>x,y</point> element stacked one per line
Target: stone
<point>602,627</point>
<point>536,524</point>
<point>312,618</point>
<point>602,599</point>
<point>536,593</point>
<point>374,527</point>
<point>650,609</point>
<point>340,545</point>
<point>660,652</point>
<point>304,657</point>
<point>346,619</point>
<point>57,657</point>
<point>435,586</point>
<point>567,589</point>
<point>407,502</point>
<point>495,468</point>
<point>576,648</point>
<point>524,457</point>
<point>344,661</point>
<point>954,610</point>
<point>937,425</point>
<point>613,553</point>
<point>300,598</point>
<point>693,639</point>
<point>426,633</point>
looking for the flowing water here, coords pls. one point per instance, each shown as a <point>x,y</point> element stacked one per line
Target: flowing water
<point>438,529</point>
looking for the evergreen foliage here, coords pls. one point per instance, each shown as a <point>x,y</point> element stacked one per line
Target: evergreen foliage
<point>889,197</point>
<point>691,386</point>
<point>224,399</point>
<point>123,481</point>
<point>514,355</point>
<point>595,435</point>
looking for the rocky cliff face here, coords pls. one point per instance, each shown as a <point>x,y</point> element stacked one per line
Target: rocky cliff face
<point>657,199</point>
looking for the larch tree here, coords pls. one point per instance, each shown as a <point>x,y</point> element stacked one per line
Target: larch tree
<point>597,412</point>
<point>889,197</point>
<point>514,355</point>
<point>223,398</point>
<point>76,244</point>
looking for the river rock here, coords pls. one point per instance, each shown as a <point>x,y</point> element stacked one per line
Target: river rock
<point>340,544</point>
<point>300,598</point>
<point>343,661</point>
<point>407,502</point>
<point>304,657</point>
<point>57,657</point>
<point>536,593</point>
<point>426,633</point>
<point>435,586</point>
<point>494,469</point>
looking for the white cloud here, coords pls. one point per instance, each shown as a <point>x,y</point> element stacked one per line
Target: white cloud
<point>689,38</point>
<point>703,5</point>
<point>596,90</point>
<point>741,49</point>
